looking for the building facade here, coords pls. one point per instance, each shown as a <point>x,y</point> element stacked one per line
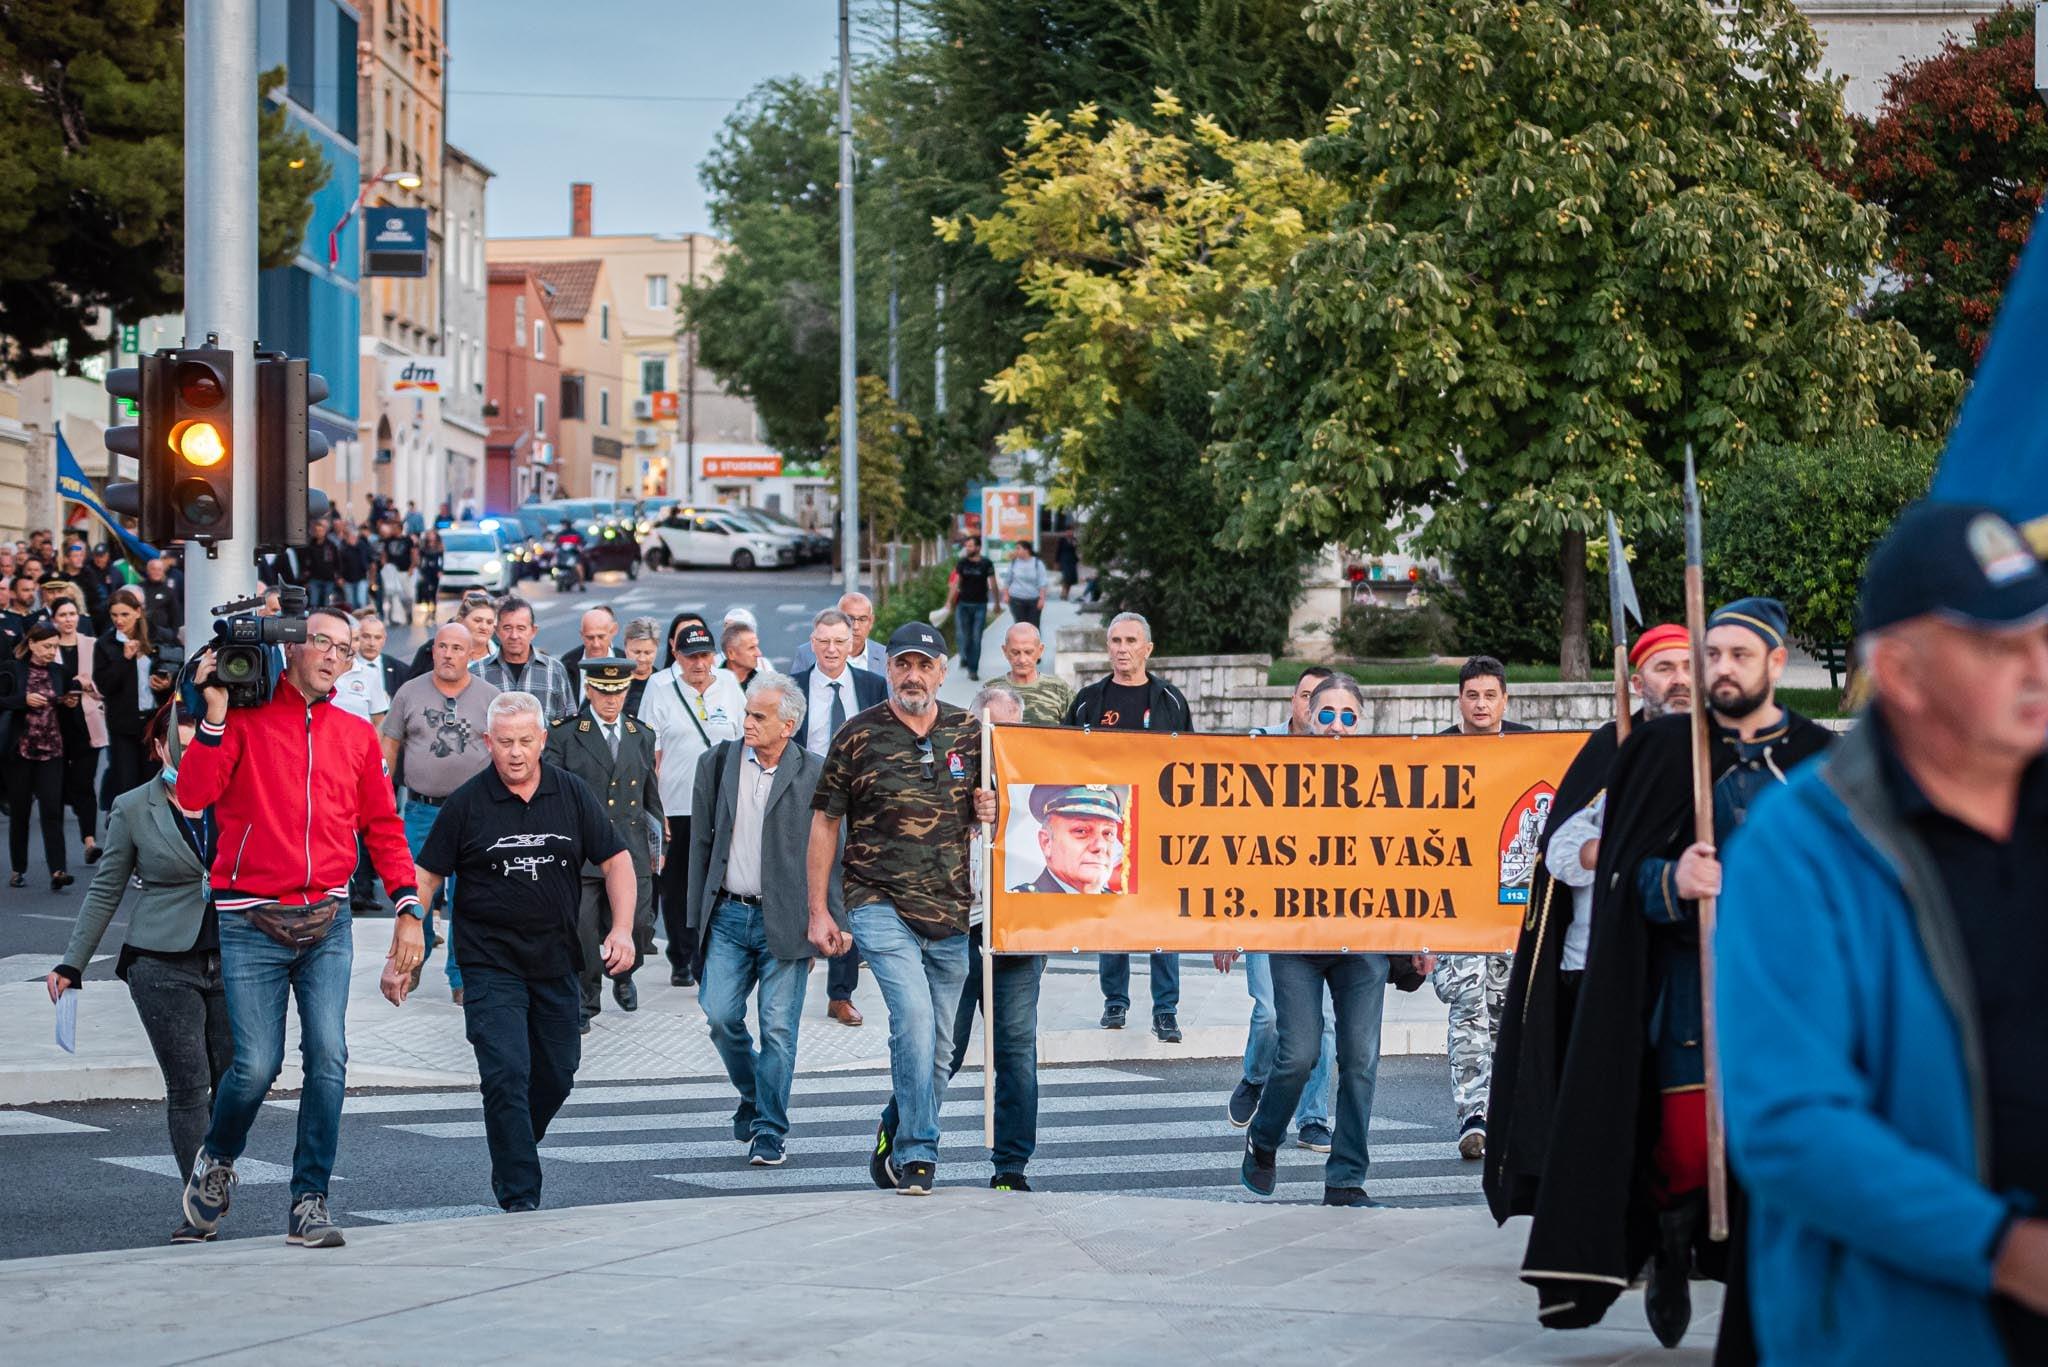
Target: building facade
<point>522,385</point>
<point>465,316</point>
<point>588,450</point>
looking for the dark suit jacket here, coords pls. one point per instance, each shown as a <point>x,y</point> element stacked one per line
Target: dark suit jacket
<point>869,690</point>
<point>395,673</point>
<point>785,843</point>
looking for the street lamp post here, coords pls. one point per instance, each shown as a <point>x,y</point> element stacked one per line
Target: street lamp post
<point>849,409</point>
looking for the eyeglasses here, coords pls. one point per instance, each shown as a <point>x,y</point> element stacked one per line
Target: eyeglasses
<point>1331,714</point>
<point>926,760</point>
<point>323,644</point>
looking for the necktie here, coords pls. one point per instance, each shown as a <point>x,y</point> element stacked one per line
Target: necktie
<point>611,738</point>
<point>838,708</point>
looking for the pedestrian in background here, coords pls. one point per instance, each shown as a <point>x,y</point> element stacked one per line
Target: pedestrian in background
<point>1133,698</point>
<point>1068,557</point>
<point>396,553</point>
<point>477,611</point>
<point>85,726</point>
<point>749,894</point>
<point>904,781</point>
<point>170,956</point>
<point>596,630</point>
<point>35,690</point>
<point>133,688</point>
<point>967,597</point>
<point>352,566</point>
<point>1024,583</point>
<point>642,647</point>
<point>432,557</point>
<point>862,652</point>
<point>1045,697</point>
<point>520,666</point>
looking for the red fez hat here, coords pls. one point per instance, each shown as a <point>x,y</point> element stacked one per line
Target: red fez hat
<point>1665,637</point>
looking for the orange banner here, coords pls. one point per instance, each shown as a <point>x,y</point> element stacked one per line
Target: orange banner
<point>1134,841</point>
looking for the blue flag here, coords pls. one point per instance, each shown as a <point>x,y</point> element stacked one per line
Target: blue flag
<point>1998,453</point>
<point>72,484</point>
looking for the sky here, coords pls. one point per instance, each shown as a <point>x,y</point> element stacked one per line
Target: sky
<point>641,154</point>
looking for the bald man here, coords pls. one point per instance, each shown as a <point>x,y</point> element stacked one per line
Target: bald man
<point>599,629</point>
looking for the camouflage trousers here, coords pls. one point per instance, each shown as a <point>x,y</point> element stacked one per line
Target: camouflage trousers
<point>1474,986</point>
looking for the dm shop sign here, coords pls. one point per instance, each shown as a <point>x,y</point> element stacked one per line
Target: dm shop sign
<point>1138,841</point>
<point>416,377</point>
<point>395,243</point>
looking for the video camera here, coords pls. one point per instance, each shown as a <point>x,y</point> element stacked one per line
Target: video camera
<point>244,650</point>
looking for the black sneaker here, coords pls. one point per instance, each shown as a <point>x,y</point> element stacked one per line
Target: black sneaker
<point>682,977</point>
<point>917,1179</point>
<point>1244,1103</point>
<point>189,1233</point>
<point>1008,1181</point>
<point>1472,1139</point>
<point>520,1207</point>
<point>743,1121</point>
<point>1258,1171</point>
<point>881,1166</point>
<point>1166,1027</point>
<point>1114,1016</point>
<point>766,1151</point>
<point>208,1192</point>
<point>1348,1196</point>
<point>310,1225</point>
<point>1314,1135</point>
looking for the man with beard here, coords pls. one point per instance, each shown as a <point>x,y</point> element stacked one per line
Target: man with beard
<point>1550,955</point>
<point>1626,1175</point>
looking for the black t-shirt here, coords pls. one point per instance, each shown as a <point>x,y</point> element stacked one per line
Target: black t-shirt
<point>1999,893</point>
<point>975,575</point>
<point>398,553</point>
<point>518,869</point>
<point>1125,707</point>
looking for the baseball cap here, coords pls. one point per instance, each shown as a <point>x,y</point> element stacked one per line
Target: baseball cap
<point>917,638</point>
<point>694,639</point>
<point>1961,561</point>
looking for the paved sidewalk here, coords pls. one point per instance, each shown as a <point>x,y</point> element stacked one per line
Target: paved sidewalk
<point>422,1044</point>
<point>964,1276</point>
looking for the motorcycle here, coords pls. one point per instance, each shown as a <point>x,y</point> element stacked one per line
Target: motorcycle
<point>569,566</point>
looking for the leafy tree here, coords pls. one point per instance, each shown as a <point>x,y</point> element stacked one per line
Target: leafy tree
<point>885,433</point>
<point>1580,235</point>
<point>1798,522</point>
<point>92,172</point>
<point>1958,155</point>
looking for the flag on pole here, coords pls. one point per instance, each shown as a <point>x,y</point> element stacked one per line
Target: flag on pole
<point>1998,453</point>
<point>72,484</point>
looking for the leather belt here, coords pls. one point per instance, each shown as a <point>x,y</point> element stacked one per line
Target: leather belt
<point>725,895</point>
<point>423,799</point>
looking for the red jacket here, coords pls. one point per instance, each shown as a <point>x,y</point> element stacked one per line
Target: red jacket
<point>287,823</point>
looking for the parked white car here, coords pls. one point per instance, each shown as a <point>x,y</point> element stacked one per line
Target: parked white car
<point>712,537</point>
<point>476,558</point>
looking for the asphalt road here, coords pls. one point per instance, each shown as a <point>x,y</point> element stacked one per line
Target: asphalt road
<point>98,1175</point>
<point>35,923</point>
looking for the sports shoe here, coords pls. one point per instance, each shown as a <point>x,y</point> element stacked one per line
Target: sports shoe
<point>917,1179</point>
<point>881,1165</point>
<point>1258,1172</point>
<point>1166,1027</point>
<point>1314,1134</point>
<point>310,1226</point>
<point>1113,1016</point>
<point>1472,1139</point>
<point>766,1151</point>
<point>1244,1103</point>
<point>208,1192</point>
<point>743,1122</point>
<point>1348,1196</point>
<point>189,1233</point>
<point>520,1207</point>
<point>1008,1181</point>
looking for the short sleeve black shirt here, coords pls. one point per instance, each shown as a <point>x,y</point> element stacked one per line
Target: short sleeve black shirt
<point>518,869</point>
<point>398,552</point>
<point>974,578</point>
<point>1126,707</point>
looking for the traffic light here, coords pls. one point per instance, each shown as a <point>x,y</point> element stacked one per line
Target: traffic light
<point>143,385</point>
<point>199,469</point>
<point>286,446</point>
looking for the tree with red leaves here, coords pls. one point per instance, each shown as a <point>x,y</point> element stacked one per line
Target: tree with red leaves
<point>1959,156</point>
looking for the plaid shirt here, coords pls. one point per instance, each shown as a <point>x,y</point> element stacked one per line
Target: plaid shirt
<point>544,677</point>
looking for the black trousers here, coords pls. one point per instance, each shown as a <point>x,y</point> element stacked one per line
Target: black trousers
<point>40,781</point>
<point>128,767</point>
<point>527,1033</point>
<point>675,898</point>
<point>81,767</point>
<point>183,1007</point>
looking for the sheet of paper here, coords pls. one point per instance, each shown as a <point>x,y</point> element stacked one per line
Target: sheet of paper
<point>67,1020</point>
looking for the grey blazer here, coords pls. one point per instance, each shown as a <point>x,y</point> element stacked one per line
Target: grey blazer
<point>785,843</point>
<point>143,843</point>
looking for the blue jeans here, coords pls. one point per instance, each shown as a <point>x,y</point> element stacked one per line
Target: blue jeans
<point>920,981</point>
<point>970,618</point>
<point>1263,1043</point>
<point>736,958</point>
<point>527,1033</point>
<point>1358,989</point>
<point>1114,973</point>
<point>1016,1041</point>
<point>258,974</point>
<point>419,819</point>
<point>356,592</point>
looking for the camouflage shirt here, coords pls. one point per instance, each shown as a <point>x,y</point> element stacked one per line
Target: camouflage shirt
<point>1046,699</point>
<point>907,816</point>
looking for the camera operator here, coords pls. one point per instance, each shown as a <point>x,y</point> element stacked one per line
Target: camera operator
<point>292,782</point>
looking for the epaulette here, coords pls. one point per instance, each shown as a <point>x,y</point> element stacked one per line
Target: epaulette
<point>557,722</point>
<point>583,725</point>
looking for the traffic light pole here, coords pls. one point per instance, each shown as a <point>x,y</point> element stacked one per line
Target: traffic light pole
<point>849,392</point>
<point>220,266</point>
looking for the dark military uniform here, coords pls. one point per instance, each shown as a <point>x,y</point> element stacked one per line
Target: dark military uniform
<point>625,784</point>
<point>1094,801</point>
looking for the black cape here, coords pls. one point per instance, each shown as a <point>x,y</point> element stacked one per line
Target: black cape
<point>1529,1055</point>
<point>1595,1218</point>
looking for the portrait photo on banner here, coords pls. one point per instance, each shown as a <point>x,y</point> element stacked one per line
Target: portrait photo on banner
<point>1070,838</point>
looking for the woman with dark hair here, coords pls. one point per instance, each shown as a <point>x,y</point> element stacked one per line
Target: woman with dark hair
<point>171,958</point>
<point>35,689</point>
<point>431,558</point>
<point>133,688</point>
<point>85,726</point>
